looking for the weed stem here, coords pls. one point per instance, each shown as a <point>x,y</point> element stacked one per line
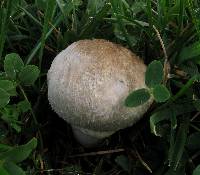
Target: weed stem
<point>33,115</point>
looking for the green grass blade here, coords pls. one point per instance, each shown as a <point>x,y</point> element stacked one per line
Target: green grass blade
<point>50,6</point>
<point>189,52</point>
<point>5,15</point>
<point>116,5</point>
<point>90,26</point>
<point>30,16</point>
<point>38,45</point>
<point>149,13</point>
<point>181,14</point>
<point>197,170</point>
<point>172,133</point>
<point>195,16</point>
<point>178,148</point>
<point>185,88</point>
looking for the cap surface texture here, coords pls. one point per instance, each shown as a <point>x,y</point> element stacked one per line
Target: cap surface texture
<point>88,83</point>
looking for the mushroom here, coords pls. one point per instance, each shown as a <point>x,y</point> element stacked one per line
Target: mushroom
<point>88,83</point>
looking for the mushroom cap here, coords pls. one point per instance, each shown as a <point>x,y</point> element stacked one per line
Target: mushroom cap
<point>88,83</point>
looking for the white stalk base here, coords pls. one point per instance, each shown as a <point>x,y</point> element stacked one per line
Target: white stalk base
<point>85,139</point>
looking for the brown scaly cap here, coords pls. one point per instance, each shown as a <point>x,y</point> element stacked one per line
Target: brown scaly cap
<point>89,81</point>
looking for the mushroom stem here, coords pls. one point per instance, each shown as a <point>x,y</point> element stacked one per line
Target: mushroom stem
<point>85,139</point>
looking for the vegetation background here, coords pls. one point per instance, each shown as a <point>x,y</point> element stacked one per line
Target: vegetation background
<point>33,140</point>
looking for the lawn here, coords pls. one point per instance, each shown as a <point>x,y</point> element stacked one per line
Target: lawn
<point>165,34</point>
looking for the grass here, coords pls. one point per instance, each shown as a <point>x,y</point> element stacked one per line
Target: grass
<point>164,142</point>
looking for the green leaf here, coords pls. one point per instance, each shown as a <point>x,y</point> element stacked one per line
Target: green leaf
<point>4,98</point>
<point>196,171</point>
<point>190,68</point>
<point>161,93</point>
<point>3,76</point>
<point>193,142</point>
<point>189,52</point>
<point>19,153</point>
<point>137,98</point>
<point>10,115</point>
<point>13,169</point>
<point>16,126</point>
<point>3,171</point>
<point>64,7</point>
<point>77,2</point>
<point>118,33</point>
<point>154,74</point>
<point>4,148</point>
<point>157,117</point>
<point>179,171</point>
<point>29,74</point>
<point>48,15</point>
<point>13,65</point>
<point>123,162</point>
<point>41,4</point>
<point>3,133</point>
<point>9,87</point>
<point>138,6</point>
<point>173,120</point>
<point>166,114</point>
<point>24,106</point>
<point>94,6</point>
<point>177,150</point>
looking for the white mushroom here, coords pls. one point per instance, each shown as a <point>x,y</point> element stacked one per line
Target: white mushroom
<point>88,83</point>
